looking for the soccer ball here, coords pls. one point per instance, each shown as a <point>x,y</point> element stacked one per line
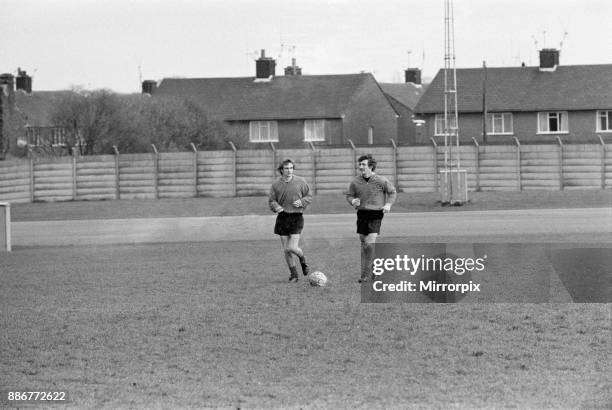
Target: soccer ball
<point>317,278</point>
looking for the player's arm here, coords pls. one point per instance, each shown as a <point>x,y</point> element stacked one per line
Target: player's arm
<point>390,194</point>
<point>306,198</point>
<point>272,203</point>
<point>351,196</point>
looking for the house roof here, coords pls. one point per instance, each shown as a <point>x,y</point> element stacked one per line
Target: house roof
<point>578,87</point>
<point>407,94</point>
<point>36,108</point>
<point>283,97</point>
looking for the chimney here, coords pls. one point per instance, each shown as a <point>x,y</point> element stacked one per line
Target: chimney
<point>24,81</point>
<point>413,75</point>
<point>7,87</point>
<point>265,67</point>
<point>149,87</point>
<point>549,59</point>
<point>293,69</point>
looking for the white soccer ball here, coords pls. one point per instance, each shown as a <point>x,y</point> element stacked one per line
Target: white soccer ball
<point>317,278</point>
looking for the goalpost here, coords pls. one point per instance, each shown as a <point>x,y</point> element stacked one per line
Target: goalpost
<point>5,227</point>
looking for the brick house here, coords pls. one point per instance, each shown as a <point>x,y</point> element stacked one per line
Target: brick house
<point>533,104</point>
<point>30,113</point>
<point>404,98</point>
<point>293,110</point>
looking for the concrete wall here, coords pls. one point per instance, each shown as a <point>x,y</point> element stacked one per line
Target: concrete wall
<point>230,173</point>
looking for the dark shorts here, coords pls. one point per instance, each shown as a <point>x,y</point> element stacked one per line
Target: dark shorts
<point>289,224</point>
<point>368,221</point>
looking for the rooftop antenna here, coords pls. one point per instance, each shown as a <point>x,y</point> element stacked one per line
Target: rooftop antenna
<point>535,42</point>
<point>563,40</point>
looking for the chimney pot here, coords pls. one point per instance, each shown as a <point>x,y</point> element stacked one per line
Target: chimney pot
<point>265,67</point>
<point>549,59</point>
<point>413,75</point>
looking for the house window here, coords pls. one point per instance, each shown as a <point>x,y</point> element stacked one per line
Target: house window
<point>370,135</point>
<point>263,131</point>
<point>552,122</point>
<point>499,123</point>
<point>314,130</point>
<point>58,137</point>
<point>33,136</point>
<point>604,121</point>
<point>439,124</point>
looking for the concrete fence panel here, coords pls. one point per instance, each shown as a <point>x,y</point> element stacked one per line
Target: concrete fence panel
<point>499,168</point>
<point>15,180</point>
<point>137,176</point>
<point>216,174</point>
<point>416,169</point>
<point>95,177</point>
<point>607,166</point>
<point>177,175</point>
<point>582,166</point>
<point>335,169</point>
<point>54,179</point>
<point>255,171</point>
<point>540,167</point>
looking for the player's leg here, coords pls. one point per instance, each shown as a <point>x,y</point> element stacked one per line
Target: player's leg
<point>368,242</point>
<point>293,245</point>
<point>288,255</point>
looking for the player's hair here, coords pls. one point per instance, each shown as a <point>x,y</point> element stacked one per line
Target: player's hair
<point>371,160</point>
<point>282,164</point>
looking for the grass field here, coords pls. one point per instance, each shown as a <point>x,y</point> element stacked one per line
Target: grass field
<point>216,325</point>
<point>322,204</point>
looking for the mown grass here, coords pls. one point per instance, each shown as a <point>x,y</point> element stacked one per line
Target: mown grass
<point>322,204</point>
<point>216,324</point>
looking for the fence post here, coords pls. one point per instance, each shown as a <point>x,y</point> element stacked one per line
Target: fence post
<point>156,170</point>
<point>273,160</point>
<point>603,162</point>
<point>395,164</point>
<point>117,187</point>
<point>5,226</point>
<point>195,169</point>
<point>74,176</point>
<point>560,162</point>
<point>354,154</point>
<point>314,168</point>
<point>435,164</point>
<point>518,163</point>
<point>477,162</point>
<point>32,182</point>
<point>234,176</point>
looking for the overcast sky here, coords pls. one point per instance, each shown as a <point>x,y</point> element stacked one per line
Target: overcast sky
<point>116,43</point>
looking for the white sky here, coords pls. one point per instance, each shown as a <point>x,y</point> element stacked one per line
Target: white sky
<point>108,43</point>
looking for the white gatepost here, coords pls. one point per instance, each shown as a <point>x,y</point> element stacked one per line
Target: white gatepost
<point>5,227</point>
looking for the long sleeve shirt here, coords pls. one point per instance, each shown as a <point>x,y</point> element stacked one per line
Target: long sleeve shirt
<point>284,194</point>
<point>373,193</point>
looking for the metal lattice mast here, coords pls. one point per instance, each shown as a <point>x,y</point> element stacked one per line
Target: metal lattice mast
<point>451,117</point>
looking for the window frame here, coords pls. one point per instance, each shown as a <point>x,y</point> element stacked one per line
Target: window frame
<point>561,123</point>
<point>440,117</point>
<point>317,125</point>
<point>491,121</point>
<point>598,116</point>
<point>272,131</point>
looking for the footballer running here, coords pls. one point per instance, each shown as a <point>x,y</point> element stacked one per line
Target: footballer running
<point>372,196</point>
<point>289,197</point>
